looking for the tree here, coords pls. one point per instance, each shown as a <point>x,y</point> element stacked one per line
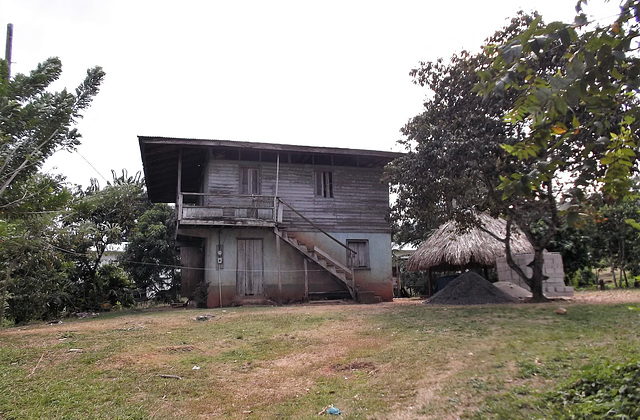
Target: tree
<point>612,239</point>
<point>51,247</point>
<point>585,106</point>
<point>465,155</point>
<point>34,272</point>
<point>151,257</point>
<point>592,95</point>
<point>574,242</point>
<point>456,158</point>
<point>97,219</point>
<point>450,147</point>
<point>35,123</point>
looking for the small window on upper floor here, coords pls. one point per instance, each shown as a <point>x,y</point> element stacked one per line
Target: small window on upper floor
<point>324,184</point>
<point>250,180</point>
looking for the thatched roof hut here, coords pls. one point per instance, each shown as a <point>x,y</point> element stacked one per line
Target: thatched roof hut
<point>450,248</point>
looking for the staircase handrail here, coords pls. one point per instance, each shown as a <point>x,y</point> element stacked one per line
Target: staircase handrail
<point>317,227</point>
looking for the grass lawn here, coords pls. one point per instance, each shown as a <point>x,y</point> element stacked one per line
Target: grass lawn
<point>401,360</point>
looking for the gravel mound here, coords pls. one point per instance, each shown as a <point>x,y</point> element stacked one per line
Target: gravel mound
<point>470,289</point>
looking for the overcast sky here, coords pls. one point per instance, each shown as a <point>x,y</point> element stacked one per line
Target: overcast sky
<point>321,73</point>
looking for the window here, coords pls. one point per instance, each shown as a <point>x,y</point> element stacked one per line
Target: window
<point>250,181</point>
<point>361,258</point>
<point>324,184</point>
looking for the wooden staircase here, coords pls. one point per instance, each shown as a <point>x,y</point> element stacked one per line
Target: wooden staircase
<point>338,271</point>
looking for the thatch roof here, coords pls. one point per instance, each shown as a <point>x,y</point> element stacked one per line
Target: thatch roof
<point>450,247</point>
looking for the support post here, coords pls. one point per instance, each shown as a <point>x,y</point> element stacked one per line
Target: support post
<point>179,187</point>
<point>278,239</point>
<point>306,279</point>
<point>219,266</point>
<point>275,196</point>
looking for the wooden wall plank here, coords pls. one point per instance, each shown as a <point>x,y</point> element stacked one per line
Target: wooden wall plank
<point>360,202</point>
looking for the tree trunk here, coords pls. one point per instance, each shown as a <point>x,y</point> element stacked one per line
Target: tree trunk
<point>613,271</point>
<point>537,277</point>
<point>623,272</point>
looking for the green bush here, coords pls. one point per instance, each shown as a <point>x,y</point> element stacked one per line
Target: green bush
<point>584,278</point>
<point>38,292</point>
<point>602,391</point>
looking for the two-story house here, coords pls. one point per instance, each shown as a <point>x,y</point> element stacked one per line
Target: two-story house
<point>261,222</point>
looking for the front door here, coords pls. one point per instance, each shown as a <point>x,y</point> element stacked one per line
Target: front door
<point>249,278</point>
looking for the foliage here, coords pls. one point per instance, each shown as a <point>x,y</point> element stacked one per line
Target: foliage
<point>604,237</point>
<point>37,286</point>
<point>53,243</point>
<point>100,218</point>
<point>584,278</point>
<point>556,119</point>
<point>35,123</point>
<point>586,105</point>
<point>446,149</point>
<point>602,391</point>
<point>34,273</point>
<point>573,242</point>
<point>113,280</point>
<point>612,239</point>
<point>457,158</point>
<point>151,257</point>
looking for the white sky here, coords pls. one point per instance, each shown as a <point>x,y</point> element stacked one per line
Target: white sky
<point>320,73</point>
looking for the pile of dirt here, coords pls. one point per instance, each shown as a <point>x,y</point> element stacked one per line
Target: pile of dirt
<point>513,290</point>
<point>470,289</point>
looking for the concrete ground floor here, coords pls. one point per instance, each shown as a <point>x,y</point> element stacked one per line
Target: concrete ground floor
<point>238,265</point>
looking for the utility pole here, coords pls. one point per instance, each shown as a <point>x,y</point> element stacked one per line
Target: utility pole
<point>7,51</point>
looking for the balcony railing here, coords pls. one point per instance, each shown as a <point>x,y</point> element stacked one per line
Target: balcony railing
<point>226,209</point>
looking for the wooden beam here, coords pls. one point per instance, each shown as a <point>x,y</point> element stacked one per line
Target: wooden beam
<point>179,186</point>
<point>278,239</point>
<point>306,279</point>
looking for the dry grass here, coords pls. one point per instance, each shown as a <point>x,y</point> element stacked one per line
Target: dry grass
<point>402,360</point>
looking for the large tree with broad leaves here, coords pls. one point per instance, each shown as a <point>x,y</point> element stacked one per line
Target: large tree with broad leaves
<point>470,152</point>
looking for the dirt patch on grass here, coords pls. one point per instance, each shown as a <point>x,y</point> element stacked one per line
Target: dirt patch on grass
<point>607,296</point>
<point>355,365</point>
<point>180,349</point>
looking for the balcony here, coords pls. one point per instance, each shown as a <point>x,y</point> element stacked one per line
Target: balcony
<point>202,209</point>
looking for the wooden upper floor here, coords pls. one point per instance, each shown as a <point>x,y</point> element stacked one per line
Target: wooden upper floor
<point>219,182</point>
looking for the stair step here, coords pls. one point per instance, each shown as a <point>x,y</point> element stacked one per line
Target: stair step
<point>320,257</point>
<point>368,297</point>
